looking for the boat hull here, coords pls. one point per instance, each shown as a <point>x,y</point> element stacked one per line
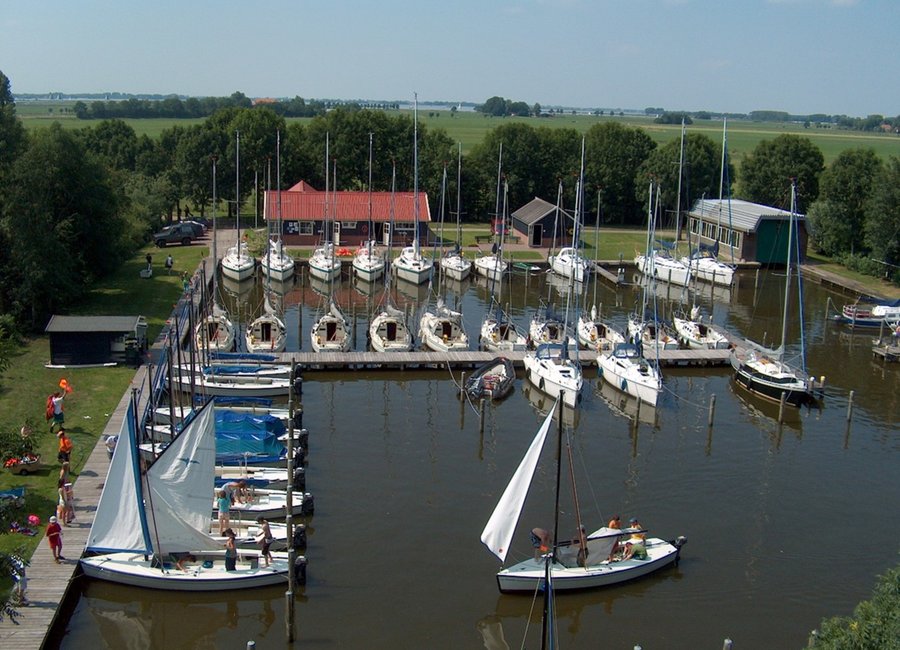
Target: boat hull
<point>630,377</point>
<point>527,575</point>
<point>133,570</point>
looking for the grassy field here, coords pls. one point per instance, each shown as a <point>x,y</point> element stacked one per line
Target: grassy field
<point>469,128</point>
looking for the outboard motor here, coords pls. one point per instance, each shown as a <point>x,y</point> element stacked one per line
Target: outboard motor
<point>298,418</point>
<point>300,570</point>
<point>299,541</point>
<point>302,437</point>
<point>298,385</point>
<point>300,455</point>
<point>308,506</point>
<point>299,479</point>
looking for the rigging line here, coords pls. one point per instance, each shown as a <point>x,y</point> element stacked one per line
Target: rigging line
<point>534,599</point>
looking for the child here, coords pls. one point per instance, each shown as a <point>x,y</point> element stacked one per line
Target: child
<point>264,539</point>
<point>54,537</point>
<point>21,580</point>
<point>223,503</point>
<point>230,551</point>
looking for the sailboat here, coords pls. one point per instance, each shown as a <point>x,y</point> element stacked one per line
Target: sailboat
<point>277,265</point>
<point>238,264</point>
<point>493,266</point>
<point>323,264</point>
<point>625,368</point>
<point>583,563</point>
<point>368,262</point>
<point>144,517</point>
<point>267,332</point>
<point>441,328</point>
<point>411,265</point>
<point>453,264</point>
<point>704,262</point>
<point>641,330</point>
<point>696,334</point>
<point>568,261</point>
<point>550,366</point>
<point>498,332</point>
<point>215,332</point>
<point>765,372</point>
<point>388,330</point>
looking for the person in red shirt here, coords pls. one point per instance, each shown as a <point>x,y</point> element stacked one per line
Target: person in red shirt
<point>65,446</point>
<point>54,536</point>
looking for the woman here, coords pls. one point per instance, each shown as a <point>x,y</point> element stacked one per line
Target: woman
<point>223,504</point>
<point>230,551</point>
<point>62,503</point>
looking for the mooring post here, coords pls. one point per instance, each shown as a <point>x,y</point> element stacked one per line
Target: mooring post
<point>850,406</point>
<point>781,407</point>
<point>637,414</point>
<point>462,383</point>
<point>727,644</point>
<point>712,409</point>
<point>482,407</point>
<point>251,645</point>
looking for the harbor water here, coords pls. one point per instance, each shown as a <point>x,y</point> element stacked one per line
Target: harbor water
<point>786,523</point>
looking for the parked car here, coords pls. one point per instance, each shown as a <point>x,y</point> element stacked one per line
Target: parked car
<point>177,233</point>
<point>199,228</point>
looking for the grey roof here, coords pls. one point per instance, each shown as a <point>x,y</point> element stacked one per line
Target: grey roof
<point>744,215</point>
<point>535,210</point>
<point>92,323</point>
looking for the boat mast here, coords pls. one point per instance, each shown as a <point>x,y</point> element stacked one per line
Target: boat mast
<point>678,194</point>
<point>722,176</point>
<point>787,281</point>
<point>416,170</point>
<point>371,234</point>
<point>458,193</point>
<point>215,254</point>
<point>237,188</point>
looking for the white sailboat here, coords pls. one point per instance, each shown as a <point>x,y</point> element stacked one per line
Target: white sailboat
<point>323,263</point>
<point>595,334</point>
<point>765,372</point>
<point>568,261</point>
<point>266,332</point>
<point>583,563</point>
<point>368,262</point>
<point>453,263</point>
<point>411,265</point>
<point>238,264</point>
<point>215,332</point>
<point>696,334</point>
<point>144,517</point>
<point>627,370</point>
<point>704,262</point>
<point>440,328</point>
<point>493,266</point>
<point>277,265</point>
<point>388,329</point>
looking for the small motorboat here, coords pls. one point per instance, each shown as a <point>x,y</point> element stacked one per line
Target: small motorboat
<point>494,380</point>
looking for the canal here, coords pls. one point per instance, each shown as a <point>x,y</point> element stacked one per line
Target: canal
<point>786,524</point>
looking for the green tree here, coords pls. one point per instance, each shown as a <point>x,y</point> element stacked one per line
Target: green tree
<point>702,164</point>
<point>614,153</point>
<point>496,106</point>
<point>114,143</point>
<point>62,224</point>
<point>882,226</point>
<point>12,133</point>
<point>837,217</point>
<point>875,624</point>
<point>766,172</point>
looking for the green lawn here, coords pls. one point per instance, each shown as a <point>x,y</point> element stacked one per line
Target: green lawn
<point>470,128</point>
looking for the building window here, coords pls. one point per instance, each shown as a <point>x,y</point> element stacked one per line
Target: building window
<point>348,225</point>
<point>404,227</point>
<point>306,227</point>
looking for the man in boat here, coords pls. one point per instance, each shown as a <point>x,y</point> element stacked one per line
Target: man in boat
<point>540,540</point>
<point>236,491</point>
<point>181,558</point>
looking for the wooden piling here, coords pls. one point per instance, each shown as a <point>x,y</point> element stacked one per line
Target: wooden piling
<point>712,410</point>
<point>482,408</point>
<point>850,406</point>
<point>727,644</point>
<point>781,407</point>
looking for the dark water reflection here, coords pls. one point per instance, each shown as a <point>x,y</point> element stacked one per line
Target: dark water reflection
<point>405,479</point>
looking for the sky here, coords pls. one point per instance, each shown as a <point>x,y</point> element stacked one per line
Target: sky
<point>801,56</point>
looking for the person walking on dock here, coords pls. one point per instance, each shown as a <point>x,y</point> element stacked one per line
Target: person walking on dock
<point>65,446</point>
<point>54,537</point>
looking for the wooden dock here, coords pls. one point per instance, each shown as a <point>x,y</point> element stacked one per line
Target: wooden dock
<point>48,581</point>
<point>886,352</point>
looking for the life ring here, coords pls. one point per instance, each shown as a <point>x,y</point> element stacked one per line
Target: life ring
<point>364,229</point>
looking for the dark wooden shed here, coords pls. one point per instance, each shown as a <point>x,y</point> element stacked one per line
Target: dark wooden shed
<point>535,222</point>
<point>95,340</point>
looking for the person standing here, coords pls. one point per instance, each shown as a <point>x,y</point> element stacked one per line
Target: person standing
<point>59,417</point>
<point>264,539</point>
<point>230,551</point>
<point>21,581</point>
<point>169,263</point>
<point>54,537</point>
<point>110,444</point>
<point>65,446</point>
<point>223,505</point>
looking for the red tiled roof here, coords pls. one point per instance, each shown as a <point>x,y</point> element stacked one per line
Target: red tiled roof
<point>309,205</point>
<point>302,186</point>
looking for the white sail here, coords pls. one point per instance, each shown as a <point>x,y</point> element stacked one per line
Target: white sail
<point>180,483</point>
<point>498,532</point>
<point>117,524</point>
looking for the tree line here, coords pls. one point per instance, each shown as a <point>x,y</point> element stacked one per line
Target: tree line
<point>75,204</point>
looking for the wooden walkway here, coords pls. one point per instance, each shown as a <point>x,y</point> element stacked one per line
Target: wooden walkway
<point>48,581</point>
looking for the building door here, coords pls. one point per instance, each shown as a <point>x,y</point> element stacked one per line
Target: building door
<point>534,235</point>
<point>386,234</point>
<point>337,233</point>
